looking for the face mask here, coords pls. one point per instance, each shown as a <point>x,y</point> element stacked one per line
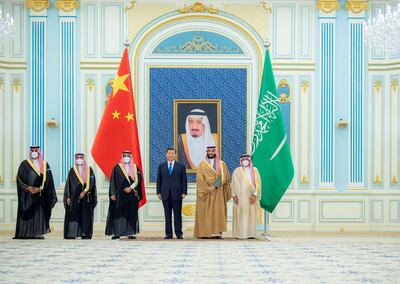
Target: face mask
<point>79,162</point>
<point>127,160</point>
<point>245,163</point>
<point>34,155</point>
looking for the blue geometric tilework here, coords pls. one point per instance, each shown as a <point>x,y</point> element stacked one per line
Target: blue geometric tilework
<point>227,84</point>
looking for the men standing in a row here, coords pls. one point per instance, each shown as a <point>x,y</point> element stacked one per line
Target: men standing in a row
<point>125,194</point>
<point>80,199</point>
<point>36,197</point>
<point>246,184</point>
<point>172,189</point>
<point>213,192</point>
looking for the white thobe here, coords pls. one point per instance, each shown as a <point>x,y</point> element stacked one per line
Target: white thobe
<point>245,214</point>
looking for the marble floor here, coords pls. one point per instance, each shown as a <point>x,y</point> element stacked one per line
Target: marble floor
<point>287,258</point>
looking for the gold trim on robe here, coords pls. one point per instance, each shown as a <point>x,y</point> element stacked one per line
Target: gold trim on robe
<point>78,175</point>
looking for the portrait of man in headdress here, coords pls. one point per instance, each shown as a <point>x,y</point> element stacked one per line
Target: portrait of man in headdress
<point>197,125</point>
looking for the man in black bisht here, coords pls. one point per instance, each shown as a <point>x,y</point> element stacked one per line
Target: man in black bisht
<point>125,194</point>
<point>80,199</point>
<point>36,197</point>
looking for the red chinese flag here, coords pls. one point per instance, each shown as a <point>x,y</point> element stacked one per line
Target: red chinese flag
<point>118,128</point>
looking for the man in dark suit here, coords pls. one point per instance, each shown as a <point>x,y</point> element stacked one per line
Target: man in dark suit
<point>172,189</point>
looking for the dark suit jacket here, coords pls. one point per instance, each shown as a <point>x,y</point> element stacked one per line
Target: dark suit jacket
<point>173,185</point>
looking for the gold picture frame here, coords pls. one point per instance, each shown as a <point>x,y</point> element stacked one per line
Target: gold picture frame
<point>182,107</point>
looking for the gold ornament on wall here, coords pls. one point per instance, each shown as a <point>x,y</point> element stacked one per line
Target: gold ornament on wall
<point>394,179</point>
<point>377,179</point>
<point>37,5</point>
<point>131,6</point>
<point>189,210</point>
<point>67,5</point>
<point>90,84</point>
<point>356,6</point>
<point>304,85</point>
<point>16,83</point>
<point>327,6</point>
<point>394,84</point>
<point>304,179</point>
<point>266,7</point>
<point>1,82</point>
<point>378,85</point>
<point>198,7</point>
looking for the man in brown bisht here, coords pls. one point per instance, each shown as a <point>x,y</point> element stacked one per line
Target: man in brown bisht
<point>213,192</point>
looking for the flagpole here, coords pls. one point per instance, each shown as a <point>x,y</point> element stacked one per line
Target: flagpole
<point>266,235</point>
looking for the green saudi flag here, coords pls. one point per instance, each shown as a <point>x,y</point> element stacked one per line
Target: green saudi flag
<point>271,151</point>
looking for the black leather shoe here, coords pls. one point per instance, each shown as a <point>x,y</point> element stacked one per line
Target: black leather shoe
<point>180,237</point>
<point>167,238</point>
<point>132,237</point>
<point>115,237</point>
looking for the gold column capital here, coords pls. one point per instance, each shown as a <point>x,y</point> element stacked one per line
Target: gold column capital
<point>357,6</point>
<point>327,6</point>
<point>67,5</point>
<point>37,5</point>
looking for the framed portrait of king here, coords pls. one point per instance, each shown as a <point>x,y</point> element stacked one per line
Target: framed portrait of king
<point>197,125</point>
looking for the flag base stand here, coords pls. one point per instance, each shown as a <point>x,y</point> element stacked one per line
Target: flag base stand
<point>266,235</point>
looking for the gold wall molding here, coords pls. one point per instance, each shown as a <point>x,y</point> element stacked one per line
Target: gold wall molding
<point>198,7</point>
<point>327,6</point>
<point>90,84</point>
<point>357,6</point>
<point>394,179</point>
<point>1,82</point>
<point>67,5</point>
<point>38,5</point>
<point>377,179</point>
<point>16,83</point>
<point>131,6</point>
<point>266,7</point>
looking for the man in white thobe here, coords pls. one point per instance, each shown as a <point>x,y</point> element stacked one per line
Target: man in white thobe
<point>246,185</point>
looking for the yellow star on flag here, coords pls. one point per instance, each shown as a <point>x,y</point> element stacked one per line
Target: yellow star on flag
<point>129,116</point>
<point>119,84</point>
<point>116,114</point>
